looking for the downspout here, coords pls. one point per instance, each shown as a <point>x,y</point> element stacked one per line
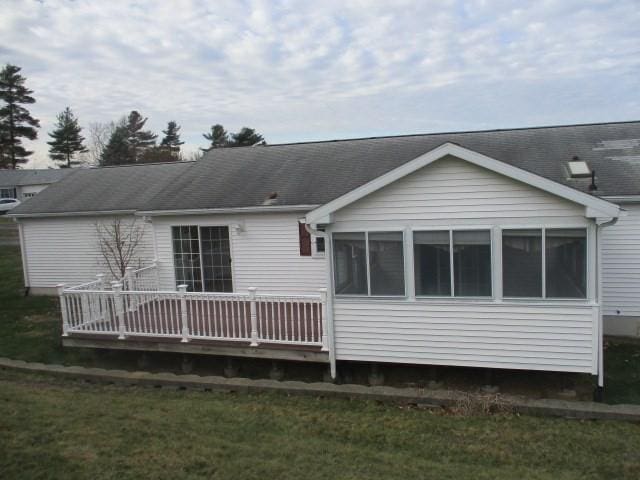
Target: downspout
<point>328,253</point>
<point>599,227</point>
<point>23,254</point>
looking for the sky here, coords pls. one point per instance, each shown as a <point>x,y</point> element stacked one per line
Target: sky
<point>301,70</point>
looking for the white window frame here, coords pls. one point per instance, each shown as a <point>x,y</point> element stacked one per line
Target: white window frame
<point>314,246</point>
<point>543,229</point>
<point>451,230</point>
<point>366,244</point>
<point>199,226</point>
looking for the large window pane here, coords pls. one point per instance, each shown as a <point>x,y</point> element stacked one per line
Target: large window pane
<point>566,263</point>
<point>386,263</point>
<point>472,263</point>
<point>186,257</point>
<point>522,263</point>
<point>216,259</point>
<point>350,257</point>
<point>432,263</point>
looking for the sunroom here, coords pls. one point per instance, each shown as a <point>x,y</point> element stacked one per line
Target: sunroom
<point>458,259</point>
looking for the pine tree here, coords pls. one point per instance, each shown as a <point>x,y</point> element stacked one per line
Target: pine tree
<point>15,120</point>
<point>171,141</point>
<point>138,139</point>
<point>245,138</point>
<point>116,152</point>
<point>218,137</point>
<point>67,141</point>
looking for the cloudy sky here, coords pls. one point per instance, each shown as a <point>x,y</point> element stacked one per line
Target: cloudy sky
<point>332,69</point>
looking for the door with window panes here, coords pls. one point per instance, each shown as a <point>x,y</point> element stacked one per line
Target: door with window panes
<point>202,258</point>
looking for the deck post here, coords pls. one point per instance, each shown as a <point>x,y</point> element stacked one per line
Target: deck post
<point>325,338</point>
<point>100,278</point>
<point>254,316</point>
<point>182,289</point>
<point>117,306</point>
<point>63,310</point>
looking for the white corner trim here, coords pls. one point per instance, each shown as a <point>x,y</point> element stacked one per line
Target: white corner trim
<point>594,204</point>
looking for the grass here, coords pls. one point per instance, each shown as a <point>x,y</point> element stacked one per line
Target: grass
<point>53,428</point>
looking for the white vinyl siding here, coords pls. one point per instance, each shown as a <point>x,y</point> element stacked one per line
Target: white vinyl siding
<point>452,191</point>
<point>452,194</point>
<point>265,252</point>
<point>621,264</point>
<point>492,335</point>
<point>65,250</point>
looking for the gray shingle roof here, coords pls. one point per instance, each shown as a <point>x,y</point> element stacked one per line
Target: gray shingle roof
<point>16,178</point>
<point>316,172</point>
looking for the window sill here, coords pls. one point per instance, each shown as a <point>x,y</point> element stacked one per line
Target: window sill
<point>400,300</point>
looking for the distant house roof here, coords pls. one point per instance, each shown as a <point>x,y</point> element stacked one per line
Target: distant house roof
<point>314,173</point>
<point>18,178</point>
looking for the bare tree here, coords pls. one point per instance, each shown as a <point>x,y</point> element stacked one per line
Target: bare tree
<point>118,242</point>
<point>98,137</point>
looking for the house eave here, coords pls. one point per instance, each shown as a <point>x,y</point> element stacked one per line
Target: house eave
<point>212,211</point>
<point>622,198</point>
<point>70,214</point>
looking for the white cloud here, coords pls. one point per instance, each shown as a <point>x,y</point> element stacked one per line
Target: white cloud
<point>308,70</point>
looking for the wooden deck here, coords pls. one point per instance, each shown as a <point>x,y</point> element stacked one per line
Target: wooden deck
<point>298,353</point>
<point>277,327</point>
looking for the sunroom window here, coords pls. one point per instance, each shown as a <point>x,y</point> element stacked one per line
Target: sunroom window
<point>383,274</point>
<point>522,263</point>
<point>468,251</point>
<point>350,258</point>
<point>564,267</point>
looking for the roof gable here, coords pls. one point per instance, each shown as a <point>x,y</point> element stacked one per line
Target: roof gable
<point>594,207</point>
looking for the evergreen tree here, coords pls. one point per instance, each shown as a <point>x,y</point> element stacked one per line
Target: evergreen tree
<point>218,137</point>
<point>116,152</point>
<point>138,139</point>
<point>245,138</point>
<point>171,141</point>
<point>15,120</point>
<point>66,140</point>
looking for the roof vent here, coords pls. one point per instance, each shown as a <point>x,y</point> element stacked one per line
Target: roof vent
<point>271,199</point>
<point>579,168</point>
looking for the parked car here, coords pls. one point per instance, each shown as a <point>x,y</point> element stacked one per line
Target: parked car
<point>7,204</point>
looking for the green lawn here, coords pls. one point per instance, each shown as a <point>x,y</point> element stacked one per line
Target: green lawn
<point>51,428</point>
<point>55,428</point>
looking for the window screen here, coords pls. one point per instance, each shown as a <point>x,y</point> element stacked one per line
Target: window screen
<point>350,263</point>
<point>522,263</point>
<point>472,263</point>
<point>432,263</point>
<point>386,263</point>
<point>566,263</point>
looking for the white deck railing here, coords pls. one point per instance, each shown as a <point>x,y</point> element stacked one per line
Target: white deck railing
<point>253,318</point>
<point>142,279</point>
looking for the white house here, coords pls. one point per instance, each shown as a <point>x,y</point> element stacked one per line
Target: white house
<point>497,249</point>
<point>24,184</point>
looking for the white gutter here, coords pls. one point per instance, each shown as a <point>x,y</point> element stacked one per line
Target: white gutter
<point>71,214</point>
<point>23,253</point>
<point>623,198</point>
<point>599,227</point>
<point>205,211</point>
